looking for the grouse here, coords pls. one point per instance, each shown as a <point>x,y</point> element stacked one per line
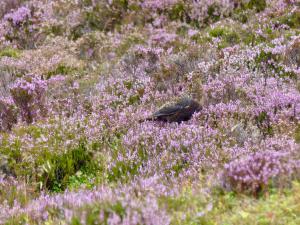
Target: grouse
<point>178,112</point>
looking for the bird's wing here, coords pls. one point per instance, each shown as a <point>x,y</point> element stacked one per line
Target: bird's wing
<point>167,111</point>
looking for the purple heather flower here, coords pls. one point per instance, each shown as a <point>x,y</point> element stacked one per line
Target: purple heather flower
<point>18,16</point>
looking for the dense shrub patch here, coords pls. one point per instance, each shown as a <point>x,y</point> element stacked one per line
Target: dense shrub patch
<point>79,78</point>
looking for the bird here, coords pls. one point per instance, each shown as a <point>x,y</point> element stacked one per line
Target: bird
<point>182,110</point>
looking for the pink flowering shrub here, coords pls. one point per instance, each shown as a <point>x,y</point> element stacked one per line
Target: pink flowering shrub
<point>7,5</point>
<point>78,79</point>
<point>19,17</point>
<point>28,94</point>
<point>158,5</point>
<point>8,114</point>
<point>203,12</point>
<point>254,172</point>
<point>141,60</point>
<point>103,204</point>
<point>21,27</point>
<point>100,15</point>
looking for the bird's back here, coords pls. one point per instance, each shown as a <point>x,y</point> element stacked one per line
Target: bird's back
<point>181,111</point>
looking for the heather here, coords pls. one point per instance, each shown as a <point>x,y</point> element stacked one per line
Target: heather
<point>77,77</point>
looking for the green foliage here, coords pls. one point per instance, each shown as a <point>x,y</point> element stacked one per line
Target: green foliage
<point>262,117</point>
<point>258,5</point>
<point>52,156</point>
<point>285,74</point>
<point>291,19</point>
<point>52,167</point>
<point>55,29</point>
<point>77,31</point>
<point>118,209</point>
<point>58,168</point>
<point>277,208</point>
<point>127,43</point>
<point>228,36</point>
<point>177,12</point>
<point>232,38</point>
<point>263,58</point>
<point>62,70</point>
<point>122,171</point>
<point>182,30</point>
<point>250,38</point>
<point>218,32</point>
<point>92,215</point>
<point>178,167</point>
<point>229,208</point>
<point>186,203</point>
<point>240,15</point>
<point>261,61</point>
<point>212,15</point>
<point>100,16</point>
<point>297,134</point>
<point>106,18</point>
<point>81,179</point>
<point>10,52</point>
<point>11,193</point>
<point>21,219</point>
<point>263,123</point>
<point>134,99</point>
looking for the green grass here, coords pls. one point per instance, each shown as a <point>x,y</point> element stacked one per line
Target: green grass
<point>228,36</point>
<point>278,207</point>
<point>62,70</point>
<point>291,19</point>
<point>258,5</point>
<point>10,52</point>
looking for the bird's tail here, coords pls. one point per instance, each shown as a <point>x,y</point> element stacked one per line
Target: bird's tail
<point>146,119</point>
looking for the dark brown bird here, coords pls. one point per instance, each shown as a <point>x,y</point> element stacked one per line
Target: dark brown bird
<point>182,110</point>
